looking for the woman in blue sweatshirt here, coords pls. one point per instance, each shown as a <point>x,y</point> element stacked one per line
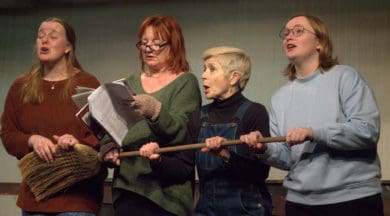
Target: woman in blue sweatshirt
<point>338,171</point>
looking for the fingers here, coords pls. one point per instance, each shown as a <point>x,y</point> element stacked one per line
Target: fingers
<point>45,152</point>
<point>135,103</point>
<point>43,147</point>
<point>112,156</point>
<point>128,102</point>
<point>213,144</point>
<point>116,159</point>
<point>251,140</point>
<point>298,135</point>
<point>148,149</point>
<point>154,157</point>
<point>66,141</point>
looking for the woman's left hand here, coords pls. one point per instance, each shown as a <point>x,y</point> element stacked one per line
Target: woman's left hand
<point>66,141</point>
<point>145,105</point>
<point>298,135</point>
<point>148,149</point>
<point>213,145</point>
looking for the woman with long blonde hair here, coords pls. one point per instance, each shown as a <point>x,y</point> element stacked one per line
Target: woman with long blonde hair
<point>39,115</point>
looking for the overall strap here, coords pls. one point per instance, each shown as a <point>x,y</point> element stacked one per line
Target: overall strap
<point>204,111</point>
<point>242,109</point>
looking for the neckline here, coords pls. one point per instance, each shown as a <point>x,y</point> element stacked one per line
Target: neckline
<point>53,84</point>
<point>164,87</point>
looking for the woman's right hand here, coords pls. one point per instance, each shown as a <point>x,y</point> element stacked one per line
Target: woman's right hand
<point>251,140</point>
<point>112,156</point>
<point>148,149</point>
<point>43,147</point>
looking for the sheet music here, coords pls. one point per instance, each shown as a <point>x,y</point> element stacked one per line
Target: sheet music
<point>107,108</point>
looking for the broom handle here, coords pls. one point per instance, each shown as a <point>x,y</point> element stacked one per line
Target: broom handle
<point>201,145</point>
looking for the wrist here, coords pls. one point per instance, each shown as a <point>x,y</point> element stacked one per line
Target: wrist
<point>225,155</point>
<point>156,112</point>
<point>30,141</point>
<point>262,150</point>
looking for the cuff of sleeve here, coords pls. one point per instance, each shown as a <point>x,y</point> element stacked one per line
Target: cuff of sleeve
<point>320,135</point>
<point>263,155</point>
<point>156,164</point>
<point>156,112</point>
<point>231,159</point>
<point>107,147</point>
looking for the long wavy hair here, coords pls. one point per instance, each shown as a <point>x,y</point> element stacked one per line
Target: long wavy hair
<point>326,59</point>
<point>32,88</point>
<point>169,30</point>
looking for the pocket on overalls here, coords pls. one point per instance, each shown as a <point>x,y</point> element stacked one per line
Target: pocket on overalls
<point>252,203</point>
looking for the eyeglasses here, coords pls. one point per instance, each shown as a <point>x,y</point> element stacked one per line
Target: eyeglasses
<point>153,46</point>
<point>296,31</point>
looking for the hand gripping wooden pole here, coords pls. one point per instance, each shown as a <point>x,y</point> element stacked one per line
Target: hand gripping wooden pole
<point>200,145</point>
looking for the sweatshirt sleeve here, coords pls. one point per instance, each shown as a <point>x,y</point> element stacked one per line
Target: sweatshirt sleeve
<point>361,124</point>
<point>277,154</point>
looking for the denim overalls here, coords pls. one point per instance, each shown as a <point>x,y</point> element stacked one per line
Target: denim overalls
<point>219,194</point>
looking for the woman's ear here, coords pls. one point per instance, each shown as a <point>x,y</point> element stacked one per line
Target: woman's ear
<point>68,49</point>
<point>319,46</point>
<point>235,77</point>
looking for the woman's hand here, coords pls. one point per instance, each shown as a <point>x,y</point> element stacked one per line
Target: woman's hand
<point>145,105</point>
<point>112,156</point>
<point>213,145</point>
<point>251,140</point>
<point>66,141</point>
<point>299,135</point>
<point>43,147</point>
<point>148,149</point>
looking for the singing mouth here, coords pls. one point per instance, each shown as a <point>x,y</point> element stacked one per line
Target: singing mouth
<point>44,50</point>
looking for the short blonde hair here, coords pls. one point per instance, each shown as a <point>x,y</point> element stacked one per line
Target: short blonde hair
<point>231,59</point>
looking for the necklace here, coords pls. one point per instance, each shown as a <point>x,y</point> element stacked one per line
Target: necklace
<point>53,85</point>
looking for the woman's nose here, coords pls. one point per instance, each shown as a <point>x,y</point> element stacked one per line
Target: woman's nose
<point>44,39</point>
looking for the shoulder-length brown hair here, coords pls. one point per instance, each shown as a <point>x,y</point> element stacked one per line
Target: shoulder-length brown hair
<point>32,90</point>
<point>169,30</point>
<point>326,59</point>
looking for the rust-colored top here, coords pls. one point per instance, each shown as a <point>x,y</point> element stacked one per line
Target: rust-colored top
<point>54,116</point>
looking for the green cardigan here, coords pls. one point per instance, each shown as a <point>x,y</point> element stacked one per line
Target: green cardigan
<point>179,98</point>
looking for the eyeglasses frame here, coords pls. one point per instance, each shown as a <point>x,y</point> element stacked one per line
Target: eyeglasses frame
<point>283,36</point>
<point>139,45</point>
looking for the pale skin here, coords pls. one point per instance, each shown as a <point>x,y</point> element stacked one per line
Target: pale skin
<point>51,48</point>
<point>303,52</point>
<point>216,85</point>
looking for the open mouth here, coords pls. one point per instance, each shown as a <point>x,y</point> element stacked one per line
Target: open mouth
<point>44,50</point>
<point>206,88</point>
<point>290,46</point>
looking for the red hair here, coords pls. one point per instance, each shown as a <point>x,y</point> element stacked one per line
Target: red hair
<point>169,30</point>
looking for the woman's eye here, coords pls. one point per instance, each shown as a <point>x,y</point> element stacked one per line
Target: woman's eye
<point>41,35</point>
<point>53,35</point>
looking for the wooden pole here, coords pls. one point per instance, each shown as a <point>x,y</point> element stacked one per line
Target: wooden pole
<point>200,145</point>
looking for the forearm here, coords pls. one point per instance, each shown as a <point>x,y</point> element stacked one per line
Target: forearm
<point>16,144</point>
<point>175,168</point>
<point>247,168</point>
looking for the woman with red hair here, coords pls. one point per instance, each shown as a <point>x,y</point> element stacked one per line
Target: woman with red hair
<point>166,94</point>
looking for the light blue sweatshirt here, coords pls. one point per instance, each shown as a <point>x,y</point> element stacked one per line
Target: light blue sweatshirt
<point>341,164</point>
